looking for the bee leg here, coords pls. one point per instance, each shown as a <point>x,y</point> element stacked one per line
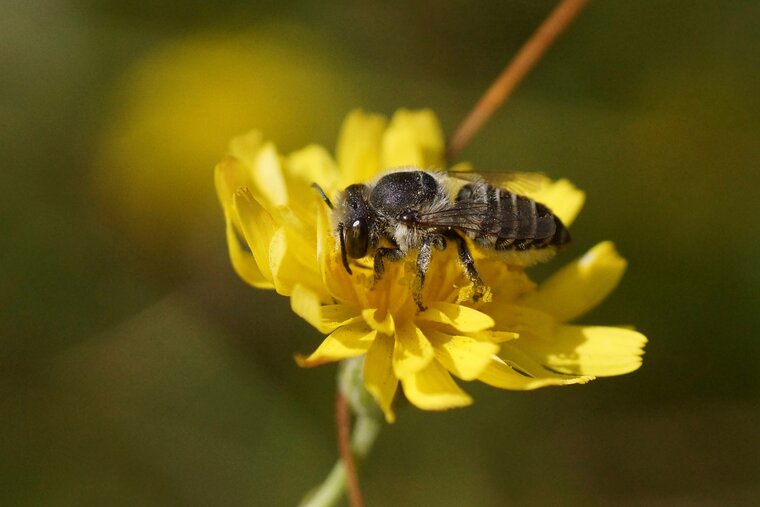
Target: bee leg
<point>392,254</point>
<point>423,263</point>
<point>469,266</point>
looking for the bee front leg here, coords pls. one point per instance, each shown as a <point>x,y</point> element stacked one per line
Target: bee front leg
<point>469,266</point>
<point>392,254</point>
<point>423,263</point>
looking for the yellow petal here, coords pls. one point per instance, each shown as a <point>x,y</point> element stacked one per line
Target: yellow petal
<point>500,374</point>
<point>516,355</point>
<point>413,351</point>
<point>434,389</point>
<point>522,319</point>
<point>304,168</point>
<point>304,247</point>
<point>229,175</point>
<point>286,270</point>
<point>462,167</point>
<point>413,138</point>
<point>243,262</point>
<point>358,147</point>
<point>513,357</point>
<point>400,149</point>
<point>302,235</point>
<point>246,148</point>
<point>461,318</point>
<point>378,374</point>
<point>507,283</point>
<point>268,179</point>
<point>464,356</point>
<point>579,286</point>
<point>587,350</point>
<point>313,164</point>
<point>309,305</point>
<point>563,198</point>
<point>257,227</point>
<point>347,341</point>
<point>501,336</point>
<point>380,320</point>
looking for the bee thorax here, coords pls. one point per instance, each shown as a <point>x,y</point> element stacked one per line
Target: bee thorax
<point>407,237</point>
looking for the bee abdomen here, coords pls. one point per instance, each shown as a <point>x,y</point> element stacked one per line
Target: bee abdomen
<point>516,222</point>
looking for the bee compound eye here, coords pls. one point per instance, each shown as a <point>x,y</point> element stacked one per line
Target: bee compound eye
<point>357,239</point>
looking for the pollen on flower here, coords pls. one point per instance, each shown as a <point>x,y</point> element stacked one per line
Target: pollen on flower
<point>516,335</point>
<point>469,293</point>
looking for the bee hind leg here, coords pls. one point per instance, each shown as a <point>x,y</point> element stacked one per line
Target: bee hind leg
<point>465,257</point>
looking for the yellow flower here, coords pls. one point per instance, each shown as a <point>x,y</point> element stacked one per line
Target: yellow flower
<point>516,338</point>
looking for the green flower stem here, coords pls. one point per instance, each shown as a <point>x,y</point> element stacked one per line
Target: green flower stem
<point>330,491</point>
<point>366,428</point>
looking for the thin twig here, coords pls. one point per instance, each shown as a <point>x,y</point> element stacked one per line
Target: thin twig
<point>344,447</point>
<point>514,72</point>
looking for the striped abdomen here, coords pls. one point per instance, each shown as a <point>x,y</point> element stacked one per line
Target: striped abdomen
<point>512,221</point>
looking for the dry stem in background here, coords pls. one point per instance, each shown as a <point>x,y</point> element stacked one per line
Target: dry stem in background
<point>514,72</point>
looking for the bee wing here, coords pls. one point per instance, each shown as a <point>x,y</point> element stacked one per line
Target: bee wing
<point>516,182</point>
<point>467,216</point>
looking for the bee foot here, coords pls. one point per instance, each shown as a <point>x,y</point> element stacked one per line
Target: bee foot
<point>480,293</point>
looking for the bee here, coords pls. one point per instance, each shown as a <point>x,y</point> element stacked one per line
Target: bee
<point>410,210</point>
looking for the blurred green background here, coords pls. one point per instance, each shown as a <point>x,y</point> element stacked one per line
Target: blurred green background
<point>136,369</point>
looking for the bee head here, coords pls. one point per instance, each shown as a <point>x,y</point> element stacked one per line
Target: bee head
<point>353,215</point>
<point>353,229</point>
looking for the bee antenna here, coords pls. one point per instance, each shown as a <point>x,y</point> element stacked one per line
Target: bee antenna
<point>323,196</point>
<point>343,256</point>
